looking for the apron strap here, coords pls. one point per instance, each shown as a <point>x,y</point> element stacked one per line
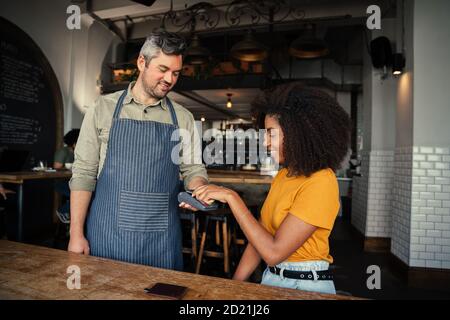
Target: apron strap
<point>172,112</point>
<point>119,105</point>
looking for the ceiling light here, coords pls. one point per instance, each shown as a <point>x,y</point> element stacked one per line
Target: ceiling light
<point>249,49</point>
<point>307,46</point>
<point>202,119</point>
<point>195,54</point>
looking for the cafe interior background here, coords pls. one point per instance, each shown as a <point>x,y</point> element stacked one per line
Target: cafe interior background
<point>392,81</point>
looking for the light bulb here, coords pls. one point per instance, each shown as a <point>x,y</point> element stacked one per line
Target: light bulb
<point>229,103</point>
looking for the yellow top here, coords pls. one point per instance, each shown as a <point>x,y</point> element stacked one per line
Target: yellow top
<point>315,200</point>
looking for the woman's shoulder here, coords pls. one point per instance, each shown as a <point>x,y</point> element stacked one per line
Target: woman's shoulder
<point>323,174</point>
<point>63,155</point>
<point>65,150</point>
<point>324,178</point>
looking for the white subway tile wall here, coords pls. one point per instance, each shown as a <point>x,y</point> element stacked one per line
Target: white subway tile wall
<point>372,194</point>
<point>430,216</point>
<point>381,168</point>
<point>402,241</point>
<point>405,195</point>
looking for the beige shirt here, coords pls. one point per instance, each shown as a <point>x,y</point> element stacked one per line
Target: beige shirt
<point>90,151</point>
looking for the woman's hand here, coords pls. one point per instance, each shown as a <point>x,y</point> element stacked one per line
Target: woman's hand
<point>210,192</point>
<point>4,192</point>
<point>187,206</point>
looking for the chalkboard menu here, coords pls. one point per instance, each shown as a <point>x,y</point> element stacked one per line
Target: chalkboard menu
<point>31,113</point>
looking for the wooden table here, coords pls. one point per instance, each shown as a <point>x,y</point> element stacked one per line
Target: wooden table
<point>20,178</point>
<point>32,272</point>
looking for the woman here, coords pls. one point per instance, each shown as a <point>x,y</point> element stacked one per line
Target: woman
<point>5,224</point>
<point>4,192</point>
<point>308,133</point>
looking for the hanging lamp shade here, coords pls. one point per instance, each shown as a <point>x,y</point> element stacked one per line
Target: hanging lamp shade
<point>308,46</point>
<point>195,54</point>
<point>249,49</point>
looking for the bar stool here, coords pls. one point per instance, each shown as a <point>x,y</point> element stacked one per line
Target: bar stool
<point>222,236</point>
<point>190,216</point>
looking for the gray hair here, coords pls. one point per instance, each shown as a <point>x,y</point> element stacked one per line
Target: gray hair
<point>168,42</point>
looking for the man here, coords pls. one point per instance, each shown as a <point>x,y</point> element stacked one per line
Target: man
<point>66,154</point>
<point>64,157</point>
<point>124,154</point>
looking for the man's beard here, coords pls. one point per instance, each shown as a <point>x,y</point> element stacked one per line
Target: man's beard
<point>153,90</point>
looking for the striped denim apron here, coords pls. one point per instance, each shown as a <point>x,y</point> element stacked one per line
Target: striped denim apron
<point>134,212</point>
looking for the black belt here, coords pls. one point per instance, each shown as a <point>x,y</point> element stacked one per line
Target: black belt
<point>303,275</point>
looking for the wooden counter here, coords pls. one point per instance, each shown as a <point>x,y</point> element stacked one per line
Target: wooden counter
<point>32,272</point>
<point>216,176</point>
<point>247,176</point>
<point>238,176</point>
<point>20,177</point>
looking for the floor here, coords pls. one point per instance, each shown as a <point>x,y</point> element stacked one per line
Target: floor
<point>350,270</point>
<point>349,267</point>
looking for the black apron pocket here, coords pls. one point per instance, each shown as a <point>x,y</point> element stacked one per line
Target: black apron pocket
<point>143,212</point>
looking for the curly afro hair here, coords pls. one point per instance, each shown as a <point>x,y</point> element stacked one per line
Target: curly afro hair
<point>316,129</point>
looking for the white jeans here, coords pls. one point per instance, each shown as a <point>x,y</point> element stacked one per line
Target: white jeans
<point>321,286</point>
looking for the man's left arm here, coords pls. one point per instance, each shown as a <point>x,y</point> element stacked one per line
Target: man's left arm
<point>192,169</point>
<point>196,182</point>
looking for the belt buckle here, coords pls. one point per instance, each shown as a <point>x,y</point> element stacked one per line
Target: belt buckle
<point>282,273</point>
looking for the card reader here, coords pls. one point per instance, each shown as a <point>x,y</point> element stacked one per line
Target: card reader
<point>186,197</point>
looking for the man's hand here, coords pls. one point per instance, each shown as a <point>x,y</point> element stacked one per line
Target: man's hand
<point>184,205</point>
<point>195,183</point>
<point>78,244</point>
<point>79,203</point>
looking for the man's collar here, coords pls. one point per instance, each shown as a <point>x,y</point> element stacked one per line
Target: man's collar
<point>130,98</point>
